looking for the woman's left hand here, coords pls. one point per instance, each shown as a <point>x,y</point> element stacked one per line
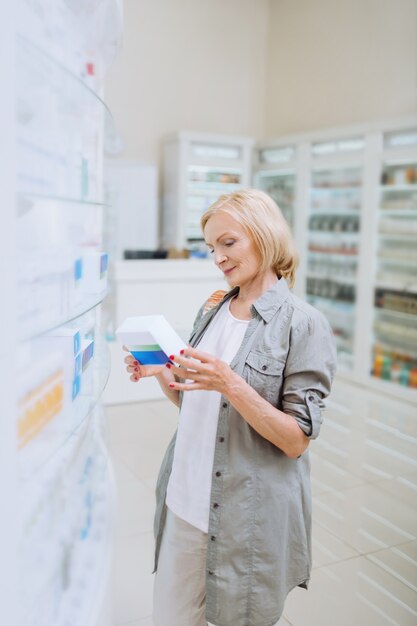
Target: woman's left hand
<point>204,370</point>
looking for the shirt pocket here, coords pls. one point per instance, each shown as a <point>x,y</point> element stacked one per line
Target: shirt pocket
<point>264,374</point>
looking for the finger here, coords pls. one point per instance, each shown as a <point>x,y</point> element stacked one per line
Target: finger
<point>204,357</point>
<point>132,368</point>
<point>125,348</point>
<point>134,378</point>
<point>131,360</point>
<point>188,363</point>
<point>186,386</point>
<point>184,374</point>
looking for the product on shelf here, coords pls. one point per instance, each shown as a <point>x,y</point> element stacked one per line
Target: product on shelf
<point>330,289</point>
<point>394,366</point>
<point>401,174</point>
<point>95,272</point>
<point>396,301</point>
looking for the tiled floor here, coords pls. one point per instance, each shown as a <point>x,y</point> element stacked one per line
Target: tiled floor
<point>364,476</point>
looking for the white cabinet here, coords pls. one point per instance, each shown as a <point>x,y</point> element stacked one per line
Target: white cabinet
<point>275,172</point>
<point>394,346</point>
<point>334,228</point>
<point>197,168</point>
<point>58,496</point>
<point>350,195</point>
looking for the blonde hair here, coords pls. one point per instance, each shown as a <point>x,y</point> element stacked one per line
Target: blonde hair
<point>265,224</point>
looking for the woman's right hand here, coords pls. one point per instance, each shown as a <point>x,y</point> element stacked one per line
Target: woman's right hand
<point>139,371</point>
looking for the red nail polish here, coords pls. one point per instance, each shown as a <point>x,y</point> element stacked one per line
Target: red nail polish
<point>182,351</point>
<point>168,365</point>
<point>171,358</point>
<point>171,385</point>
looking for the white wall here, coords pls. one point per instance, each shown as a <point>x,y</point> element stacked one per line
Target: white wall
<point>260,67</point>
<point>188,65</point>
<point>337,62</point>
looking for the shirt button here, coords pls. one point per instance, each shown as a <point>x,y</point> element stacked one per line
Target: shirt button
<point>311,398</point>
<point>264,367</point>
<point>213,538</point>
<point>221,439</point>
<point>211,573</point>
<point>224,405</point>
<point>215,505</point>
<point>218,473</point>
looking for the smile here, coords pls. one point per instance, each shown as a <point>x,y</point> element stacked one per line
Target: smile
<point>227,272</point>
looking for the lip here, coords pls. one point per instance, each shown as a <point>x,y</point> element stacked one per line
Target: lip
<point>229,271</point>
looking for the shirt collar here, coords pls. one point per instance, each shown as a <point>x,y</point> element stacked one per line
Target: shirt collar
<point>269,302</point>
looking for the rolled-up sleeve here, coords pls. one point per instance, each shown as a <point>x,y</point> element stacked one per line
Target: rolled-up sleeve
<point>309,372</point>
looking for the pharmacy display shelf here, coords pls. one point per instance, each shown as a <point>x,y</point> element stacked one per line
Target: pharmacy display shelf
<point>60,199</point>
<point>331,306</point>
<point>399,236</point>
<point>68,425</point>
<point>404,284</point>
<point>197,168</point>
<point>61,365</point>
<point>390,188</point>
<point>399,212</point>
<point>335,278</point>
<point>41,55</point>
<point>405,260</point>
<point>336,182</point>
<point>335,234</point>
<point>80,477</point>
<point>396,315</point>
<point>60,122</point>
<point>88,305</point>
<point>407,351</point>
<point>281,186</point>
<point>330,253</point>
<point>333,256</point>
<point>366,177</point>
<point>394,339</point>
<point>335,211</point>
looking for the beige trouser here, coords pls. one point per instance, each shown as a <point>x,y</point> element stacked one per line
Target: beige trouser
<point>180,580</point>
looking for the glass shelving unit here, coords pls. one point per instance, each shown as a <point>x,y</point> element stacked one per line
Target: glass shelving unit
<point>205,184</point>
<point>394,349</point>
<point>334,226</point>
<point>276,175</point>
<point>63,477</point>
<point>198,168</point>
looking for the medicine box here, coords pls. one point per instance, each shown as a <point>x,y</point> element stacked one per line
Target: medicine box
<point>150,339</point>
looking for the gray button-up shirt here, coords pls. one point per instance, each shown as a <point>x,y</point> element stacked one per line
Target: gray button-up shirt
<point>260,509</point>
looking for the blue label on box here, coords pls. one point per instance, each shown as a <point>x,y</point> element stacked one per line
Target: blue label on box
<point>78,364</point>
<point>78,269</point>
<point>77,342</point>
<point>104,263</point>
<point>76,386</point>
<point>157,357</point>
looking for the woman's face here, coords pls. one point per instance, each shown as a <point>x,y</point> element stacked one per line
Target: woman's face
<point>233,250</point>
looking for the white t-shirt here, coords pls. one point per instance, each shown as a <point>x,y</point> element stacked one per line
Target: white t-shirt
<point>189,486</point>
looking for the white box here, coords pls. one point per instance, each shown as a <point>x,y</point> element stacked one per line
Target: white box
<point>95,269</point>
<point>150,339</point>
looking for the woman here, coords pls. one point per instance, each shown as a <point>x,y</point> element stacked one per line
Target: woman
<point>233,518</point>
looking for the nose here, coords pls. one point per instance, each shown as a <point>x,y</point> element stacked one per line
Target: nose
<point>219,258</point>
